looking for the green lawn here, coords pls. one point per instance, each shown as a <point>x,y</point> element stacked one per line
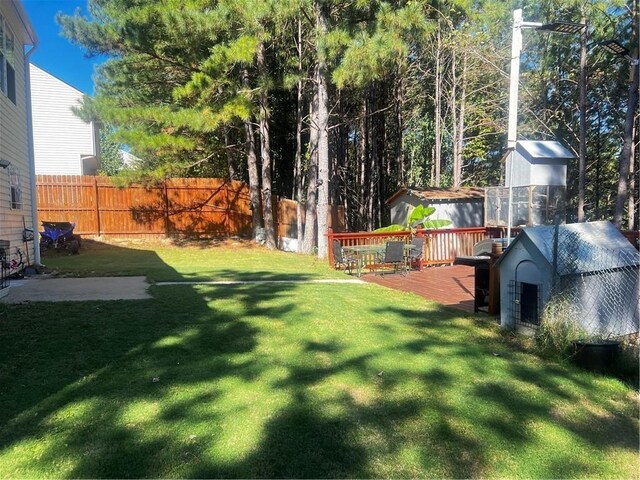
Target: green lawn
<point>193,261</point>
<point>289,380</point>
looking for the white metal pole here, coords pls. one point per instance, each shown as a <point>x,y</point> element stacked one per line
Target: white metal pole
<point>514,77</point>
<point>512,132</point>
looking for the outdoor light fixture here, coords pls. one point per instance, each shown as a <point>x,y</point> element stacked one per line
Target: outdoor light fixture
<point>562,27</point>
<point>4,163</point>
<point>514,80</point>
<point>613,46</point>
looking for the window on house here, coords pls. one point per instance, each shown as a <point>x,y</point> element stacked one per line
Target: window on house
<point>14,187</point>
<point>11,83</point>
<point>7,61</point>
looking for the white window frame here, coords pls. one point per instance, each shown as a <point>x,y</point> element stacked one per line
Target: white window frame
<point>15,188</point>
<point>7,61</point>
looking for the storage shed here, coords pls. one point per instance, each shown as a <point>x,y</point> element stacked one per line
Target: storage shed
<point>590,265</point>
<point>537,162</point>
<point>463,206</point>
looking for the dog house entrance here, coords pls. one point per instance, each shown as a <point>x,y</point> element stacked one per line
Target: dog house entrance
<point>526,303</point>
<point>529,303</point>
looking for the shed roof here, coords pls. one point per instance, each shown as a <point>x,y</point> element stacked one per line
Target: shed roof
<point>583,247</point>
<point>541,150</point>
<point>440,193</point>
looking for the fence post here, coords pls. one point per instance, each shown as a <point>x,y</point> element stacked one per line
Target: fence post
<point>97,204</point>
<point>227,219</point>
<point>276,217</point>
<point>166,208</point>
<point>330,246</point>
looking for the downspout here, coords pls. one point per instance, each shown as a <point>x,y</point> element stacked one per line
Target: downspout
<point>32,162</point>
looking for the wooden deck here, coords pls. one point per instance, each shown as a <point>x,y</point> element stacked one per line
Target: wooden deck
<point>451,285</point>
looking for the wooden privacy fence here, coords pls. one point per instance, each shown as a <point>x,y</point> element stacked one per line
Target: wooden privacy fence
<point>176,206</point>
<point>441,245</point>
<point>287,214</point>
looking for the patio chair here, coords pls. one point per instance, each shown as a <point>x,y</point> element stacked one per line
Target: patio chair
<point>393,255</point>
<point>340,259</point>
<point>417,251</point>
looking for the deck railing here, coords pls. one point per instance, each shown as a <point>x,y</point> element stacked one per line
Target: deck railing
<point>633,236</point>
<point>441,246</point>
<point>444,245</point>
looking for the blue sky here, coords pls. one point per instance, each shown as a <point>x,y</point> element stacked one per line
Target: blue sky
<point>55,54</point>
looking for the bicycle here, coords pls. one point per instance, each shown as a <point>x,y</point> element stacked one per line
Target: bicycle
<point>15,267</point>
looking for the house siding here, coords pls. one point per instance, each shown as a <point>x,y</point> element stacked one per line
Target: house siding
<point>60,138</point>
<point>14,146</point>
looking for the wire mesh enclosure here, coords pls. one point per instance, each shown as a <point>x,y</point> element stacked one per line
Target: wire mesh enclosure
<point>531,205</point>
<point>589,269</point>
<point>602,283</point>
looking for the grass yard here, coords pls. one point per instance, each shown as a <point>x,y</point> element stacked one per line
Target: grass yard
<point>164,261</point>
<point>288,380</point>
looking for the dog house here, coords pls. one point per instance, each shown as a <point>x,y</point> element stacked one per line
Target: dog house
<point>539,185</point>
<point>590,265</point>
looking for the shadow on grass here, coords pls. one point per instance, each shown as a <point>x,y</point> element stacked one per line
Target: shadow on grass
<point>87,362</point>
<point>253,381</point>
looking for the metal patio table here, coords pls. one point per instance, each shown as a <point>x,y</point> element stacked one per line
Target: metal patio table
<point>364,252</point>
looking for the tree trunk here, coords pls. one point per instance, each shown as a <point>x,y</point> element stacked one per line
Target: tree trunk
<point>631,207</point>
<point>461,124</point>
<point>373,159</point>
<point>399,97</point>
<point>363,154</point>
<point>312,177</point>
<point>382,179</point>
<point>437,152</point>
<point>323,134</point>
<point>231,161</point>
<point>454,119</point>
<point>624,164</point>
<point>252,167</point>
<point>265,155</point>
<point>598,166</point>
<point>298,177</point>
<point>582,151</point>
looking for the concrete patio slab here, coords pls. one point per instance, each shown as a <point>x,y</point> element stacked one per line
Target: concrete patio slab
<point>39,289</point>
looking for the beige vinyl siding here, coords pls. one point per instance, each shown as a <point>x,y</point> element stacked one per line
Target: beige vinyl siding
<point>60,138</point>
<point>14,146</point>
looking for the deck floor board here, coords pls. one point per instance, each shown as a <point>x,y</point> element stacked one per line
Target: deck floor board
<point>448,285</point>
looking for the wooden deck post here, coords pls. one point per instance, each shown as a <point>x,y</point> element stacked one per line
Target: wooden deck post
<point>421,261</point>
<point>330,246</point>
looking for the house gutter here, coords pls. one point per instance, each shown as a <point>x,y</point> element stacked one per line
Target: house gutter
<point>24,18</point>
<point>32,161</point>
